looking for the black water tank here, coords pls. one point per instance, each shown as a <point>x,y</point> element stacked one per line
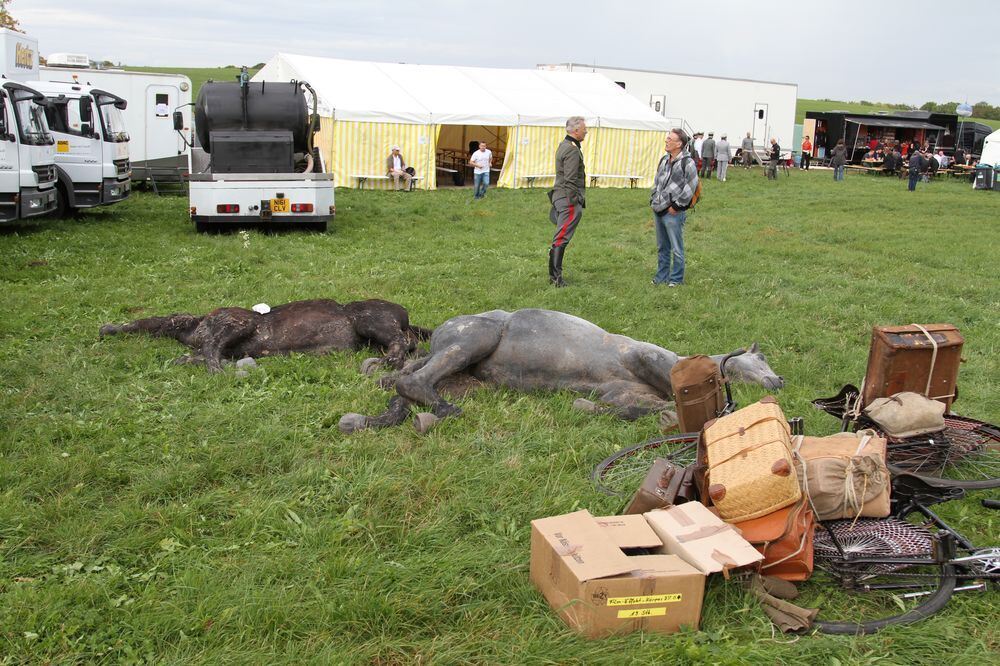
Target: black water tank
<point>270,106</point>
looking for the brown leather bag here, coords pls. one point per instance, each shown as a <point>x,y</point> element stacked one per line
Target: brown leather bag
<point>920,358</point>
<point>785,539</point>
<point>697,385</point>
<point>664,486</point>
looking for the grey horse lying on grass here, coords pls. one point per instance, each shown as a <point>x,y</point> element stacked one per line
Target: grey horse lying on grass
<point>317,326</point>
<point>530,350</point>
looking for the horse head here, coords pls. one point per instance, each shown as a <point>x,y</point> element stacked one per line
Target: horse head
<point>752,368</point>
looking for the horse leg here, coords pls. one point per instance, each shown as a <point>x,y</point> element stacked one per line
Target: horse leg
<point>630,402</point>
<point>180,327</point>
<point>221,332</point>
<point>456,349</point>
<point>397,412</point>
<point>388,380</point>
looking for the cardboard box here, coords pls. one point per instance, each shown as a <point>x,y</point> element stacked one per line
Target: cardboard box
<point>699,537</point>
<point>579,565</point>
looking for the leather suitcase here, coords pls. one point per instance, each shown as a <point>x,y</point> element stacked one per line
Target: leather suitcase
<point>664,486</point>
<point>747,465</point>
<point>697,385</point>
<point>785,539</point>
<point>903,358</point>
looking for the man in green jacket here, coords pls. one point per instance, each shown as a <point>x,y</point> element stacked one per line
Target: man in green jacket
<point>568,195</point>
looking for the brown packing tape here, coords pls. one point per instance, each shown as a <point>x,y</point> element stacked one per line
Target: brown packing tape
<point>704,532</point>
<point>680,515</point>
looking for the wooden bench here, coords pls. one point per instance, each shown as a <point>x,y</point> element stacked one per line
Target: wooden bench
<point>446,169</point>
<point>533,177</point>
<point>361,178</point>
<point>595,176</point>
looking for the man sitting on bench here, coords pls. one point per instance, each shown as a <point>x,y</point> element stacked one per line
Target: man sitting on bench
<point>395,167</point>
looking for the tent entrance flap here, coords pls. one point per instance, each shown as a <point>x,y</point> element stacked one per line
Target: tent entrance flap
<point>455,146</point>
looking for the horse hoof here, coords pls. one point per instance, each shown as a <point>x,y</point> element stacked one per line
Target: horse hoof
<point>584,405</point>
<point>424,421</point>
<point>352,422</point>
<point>668,421</point>
<point>246,362</point>
<point>369,365</point>
<point>445,410</point>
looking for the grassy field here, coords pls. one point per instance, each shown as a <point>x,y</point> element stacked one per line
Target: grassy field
<point>155,513</point>
<point>832,105</point>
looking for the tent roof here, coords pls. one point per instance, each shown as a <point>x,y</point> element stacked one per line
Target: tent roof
<point>892,122</point>
<point>452,95</point>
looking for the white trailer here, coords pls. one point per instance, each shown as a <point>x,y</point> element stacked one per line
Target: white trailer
<point>716,104</point>
<point>155,149</point>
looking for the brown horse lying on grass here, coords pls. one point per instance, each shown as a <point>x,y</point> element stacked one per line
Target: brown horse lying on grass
<point>316,326</point>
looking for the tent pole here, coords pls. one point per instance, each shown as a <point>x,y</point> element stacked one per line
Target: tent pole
<point>517,149</point>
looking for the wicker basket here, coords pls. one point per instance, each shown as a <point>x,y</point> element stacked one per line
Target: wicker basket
<point>749,457</point>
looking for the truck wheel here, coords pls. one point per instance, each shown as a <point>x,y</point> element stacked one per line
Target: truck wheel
<point>63,209</point>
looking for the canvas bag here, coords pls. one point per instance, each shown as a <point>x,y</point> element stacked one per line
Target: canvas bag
<point>845,475</point>
<point>907,414</point>
<point>746,460</point>
<point>697,385</point>
<point>785,539</point>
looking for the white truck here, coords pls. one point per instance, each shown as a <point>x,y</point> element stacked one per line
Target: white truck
<point>155,149</point>
<point>254,162</point>
<point>91,142</point>
<point>27,154</point>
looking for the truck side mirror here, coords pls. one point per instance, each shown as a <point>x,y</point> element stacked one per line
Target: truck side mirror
<point>86,110</point>
<point>86,129</point>
<point>178,121</point>
<point>315,124</point>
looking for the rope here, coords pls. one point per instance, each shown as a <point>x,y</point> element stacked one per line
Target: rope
<point>930,374</point>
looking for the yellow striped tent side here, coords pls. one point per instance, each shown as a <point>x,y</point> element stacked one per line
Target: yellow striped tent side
<point>531,151</point>
<point>353,148</point>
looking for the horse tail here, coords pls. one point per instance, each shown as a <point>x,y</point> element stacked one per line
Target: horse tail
<point>420,333</point>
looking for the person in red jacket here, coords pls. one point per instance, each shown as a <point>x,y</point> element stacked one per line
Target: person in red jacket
<point>807,148</point>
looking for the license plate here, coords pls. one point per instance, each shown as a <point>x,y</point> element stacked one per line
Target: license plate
<point>279,205</point>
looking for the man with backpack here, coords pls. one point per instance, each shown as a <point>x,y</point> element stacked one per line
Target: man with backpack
<point>675,190</point>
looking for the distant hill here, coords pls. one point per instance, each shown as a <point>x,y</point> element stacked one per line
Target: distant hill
<point>831,105</point>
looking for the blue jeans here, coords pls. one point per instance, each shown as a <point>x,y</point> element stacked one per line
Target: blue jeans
<point>914,177</point>
<point>838,173</point>
<point>482,180</point>
<point>669,245</point>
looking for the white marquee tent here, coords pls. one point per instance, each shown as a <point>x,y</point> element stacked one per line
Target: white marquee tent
<point>991,150</point>
<point>366,107</point>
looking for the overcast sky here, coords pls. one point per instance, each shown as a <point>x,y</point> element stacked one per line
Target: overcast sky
<point>881,50</point>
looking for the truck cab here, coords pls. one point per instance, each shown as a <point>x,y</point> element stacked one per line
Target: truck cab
<point>27,166</point>
<point>92,144</point>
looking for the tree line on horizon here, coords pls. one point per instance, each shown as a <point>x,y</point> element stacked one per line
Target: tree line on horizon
<point>979,109</point>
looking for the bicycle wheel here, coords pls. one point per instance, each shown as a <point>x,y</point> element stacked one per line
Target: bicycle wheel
<point>621,473</point>
<point>966,454</point>
<point>900,582</point>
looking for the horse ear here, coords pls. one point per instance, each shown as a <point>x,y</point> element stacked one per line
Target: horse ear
<point>754,348</point>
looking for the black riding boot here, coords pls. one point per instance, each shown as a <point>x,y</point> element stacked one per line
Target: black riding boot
<point>555,265</point>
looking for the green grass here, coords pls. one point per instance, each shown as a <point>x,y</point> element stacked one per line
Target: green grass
<point>823,105</point>
<point>152,512</point>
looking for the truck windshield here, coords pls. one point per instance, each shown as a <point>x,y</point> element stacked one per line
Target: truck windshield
<point>31,122</point>
<point>112,120</point>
